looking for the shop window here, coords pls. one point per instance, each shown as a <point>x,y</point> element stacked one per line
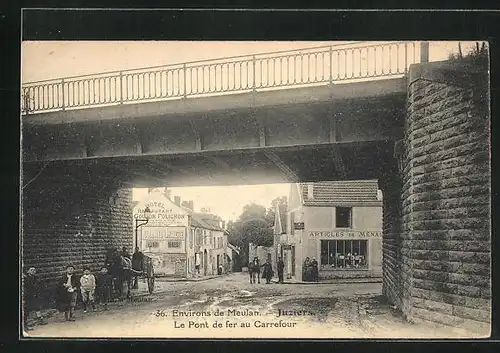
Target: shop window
<point>343,217</point>
<point>173,244</point>
<point>344,254</point>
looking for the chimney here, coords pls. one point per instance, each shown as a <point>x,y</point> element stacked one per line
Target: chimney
<point>310,194</point>
<point>177,200</point>
<point>191,205</point>
<point>223,225</point>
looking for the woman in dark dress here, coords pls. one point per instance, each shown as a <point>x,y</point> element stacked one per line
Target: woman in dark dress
<point>67,293</point>
<point>314,270</point>
<point>306,270</point>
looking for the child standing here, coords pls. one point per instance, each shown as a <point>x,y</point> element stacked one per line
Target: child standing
<point>87,285</point>
<point>104,282</point>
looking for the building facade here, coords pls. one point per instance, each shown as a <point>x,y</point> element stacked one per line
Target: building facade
<point>182,243</point>
<point>337,223</point>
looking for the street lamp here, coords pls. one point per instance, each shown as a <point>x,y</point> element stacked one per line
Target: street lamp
<point>144,221</point>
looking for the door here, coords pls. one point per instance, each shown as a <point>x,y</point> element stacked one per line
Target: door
<point>293,260</point>
<point>205,262</point>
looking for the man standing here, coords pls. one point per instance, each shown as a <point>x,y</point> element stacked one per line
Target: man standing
<point>281,266</point>
<point>137,264</point>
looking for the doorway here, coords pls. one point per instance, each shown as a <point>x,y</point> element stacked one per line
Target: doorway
<point>205,262</point>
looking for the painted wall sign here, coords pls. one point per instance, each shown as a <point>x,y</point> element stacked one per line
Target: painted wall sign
<point>348,234</point>
<point>161,214</point>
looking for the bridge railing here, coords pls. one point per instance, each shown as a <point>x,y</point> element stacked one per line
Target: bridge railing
<point>277,70</point>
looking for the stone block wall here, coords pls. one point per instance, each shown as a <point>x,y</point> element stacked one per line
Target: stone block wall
<point>390,184</point>
<point>446,232</point>
<point>72,215</point>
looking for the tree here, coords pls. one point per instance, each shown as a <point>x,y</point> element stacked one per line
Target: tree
<point>255,225</point>
<point>251,227</point>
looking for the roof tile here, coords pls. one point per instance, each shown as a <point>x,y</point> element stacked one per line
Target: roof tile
<point>327,193</point>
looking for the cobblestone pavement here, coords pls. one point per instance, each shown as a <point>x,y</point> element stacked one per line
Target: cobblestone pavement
<point>343,310</point>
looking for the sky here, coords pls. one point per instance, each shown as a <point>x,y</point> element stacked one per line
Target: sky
<point>225,201</point>
<point>41,60</point>
<point>54,59</point>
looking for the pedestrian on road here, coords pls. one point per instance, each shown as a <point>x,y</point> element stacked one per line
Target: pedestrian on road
<point>67,293</point>
<point>31,298</point>
<point>267,271</point>
<point>137,265</point>
<point>104,283</point>
<point>280,265</point>
<point>87,287</point>
<point>254,270</point>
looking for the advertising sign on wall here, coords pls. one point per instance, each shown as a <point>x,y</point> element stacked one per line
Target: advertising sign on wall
<point>345,234</point>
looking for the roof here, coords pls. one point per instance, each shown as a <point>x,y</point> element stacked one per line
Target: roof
<point>234,248</point>
<point>201,220</point>
<point>331,193</point>
<point>280,226</point>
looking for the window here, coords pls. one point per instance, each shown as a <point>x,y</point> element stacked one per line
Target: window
<point>343,217</point>
<point>199,236</point>
<point>292,221</point>
<point>344,254</point>
<point>173,244</point>
<point>153,244</point>
<point>191,238</point>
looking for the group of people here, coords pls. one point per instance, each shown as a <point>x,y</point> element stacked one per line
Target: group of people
<point>267,270</point>
<point>113,281</point>
<point>310,271</point>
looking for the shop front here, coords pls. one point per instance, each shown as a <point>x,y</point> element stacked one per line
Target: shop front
<point>346,254</point>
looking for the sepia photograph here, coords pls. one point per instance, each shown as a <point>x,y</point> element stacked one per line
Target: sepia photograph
<point>255,189</point>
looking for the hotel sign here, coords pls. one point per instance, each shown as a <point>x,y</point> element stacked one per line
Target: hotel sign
<point>345,234</point>
<point>161,215</point>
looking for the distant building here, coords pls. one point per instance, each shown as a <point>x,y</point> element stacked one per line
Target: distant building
<point>183,243</point>
<point>233,254</point>
<point>339,223</point>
